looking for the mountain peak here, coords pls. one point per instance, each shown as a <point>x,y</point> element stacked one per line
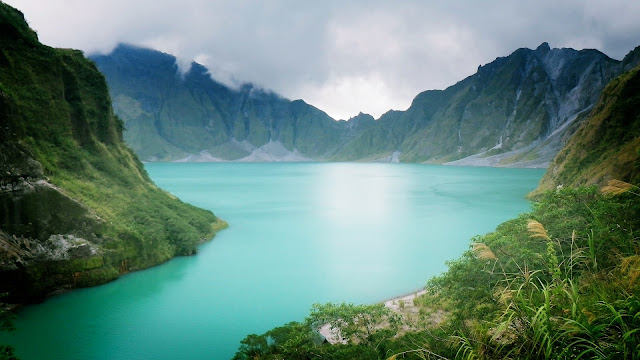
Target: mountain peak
<point>632,59</point>
<point>361,115</point>
<point>543,48</point>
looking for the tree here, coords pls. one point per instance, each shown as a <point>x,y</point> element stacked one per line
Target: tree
<point>366,325</point>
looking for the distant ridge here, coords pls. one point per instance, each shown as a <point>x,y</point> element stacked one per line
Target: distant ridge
<point>516,111</point>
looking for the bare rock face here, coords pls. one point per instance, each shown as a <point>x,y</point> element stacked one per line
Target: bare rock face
<point>43,231</point>
<point>16,251</point>
<point>606,146</point>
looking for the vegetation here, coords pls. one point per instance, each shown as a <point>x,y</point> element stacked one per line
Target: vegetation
<point>607,144</point>
<point>558,282</point>
<point>65,172</point>
<point>360,331</point>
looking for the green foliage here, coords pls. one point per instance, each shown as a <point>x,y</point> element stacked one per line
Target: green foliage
<point>359,326</point>
<point>606,144</point>
<point>56,111</point>
<point>358,323</point>
<point>7,352</point>
<point>576,297</point>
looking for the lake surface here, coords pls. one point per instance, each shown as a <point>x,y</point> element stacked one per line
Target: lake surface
<point>299,233</point>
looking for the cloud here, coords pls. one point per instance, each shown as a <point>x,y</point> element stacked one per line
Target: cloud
<point>343,57</point>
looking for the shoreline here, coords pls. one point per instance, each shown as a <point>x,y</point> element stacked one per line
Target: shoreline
<point>412,295</point>
<point>407,299</point>
<point>394,304</point>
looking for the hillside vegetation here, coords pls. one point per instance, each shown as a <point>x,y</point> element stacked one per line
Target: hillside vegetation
<point>559,282</point>
<point>77,207</point>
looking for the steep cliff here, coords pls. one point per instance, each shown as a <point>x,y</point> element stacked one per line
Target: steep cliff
<point>518,110</point>
<point>76,205</point>
<point>607,144</point>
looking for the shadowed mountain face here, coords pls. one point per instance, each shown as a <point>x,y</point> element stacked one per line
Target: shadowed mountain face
<point>607,144</point>
<point>518,110</point>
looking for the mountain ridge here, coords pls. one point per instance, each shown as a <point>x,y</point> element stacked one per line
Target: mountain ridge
<point>515,111</point>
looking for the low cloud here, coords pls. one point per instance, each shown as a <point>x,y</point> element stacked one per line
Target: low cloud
<point>342,57</point>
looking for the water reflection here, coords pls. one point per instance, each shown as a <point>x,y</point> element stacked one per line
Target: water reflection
<point>362,206</point>
<point>358,192</point>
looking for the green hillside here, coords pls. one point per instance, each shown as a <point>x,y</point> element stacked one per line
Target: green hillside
<point>170,115</point>
<point>514,111</point>
<point>77,207</point>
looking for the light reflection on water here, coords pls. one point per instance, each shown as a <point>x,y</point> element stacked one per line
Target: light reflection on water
<point>362,194</point>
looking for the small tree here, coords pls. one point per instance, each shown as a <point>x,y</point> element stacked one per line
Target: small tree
<point>361,324</point>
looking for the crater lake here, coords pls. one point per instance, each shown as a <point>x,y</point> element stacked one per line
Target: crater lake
<point>299,233</point>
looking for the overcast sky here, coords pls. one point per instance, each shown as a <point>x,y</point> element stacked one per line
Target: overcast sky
<point>340,56</point>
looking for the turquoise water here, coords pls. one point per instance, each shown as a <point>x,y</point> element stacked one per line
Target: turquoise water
<point>299,233</point>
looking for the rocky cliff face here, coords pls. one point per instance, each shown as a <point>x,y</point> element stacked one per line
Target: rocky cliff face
<point>76,206</point>
<point>606,145</point>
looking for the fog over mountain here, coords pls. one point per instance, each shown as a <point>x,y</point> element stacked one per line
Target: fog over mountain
<point>342,57</point>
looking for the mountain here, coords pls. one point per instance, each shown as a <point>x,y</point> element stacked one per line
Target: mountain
<point>518,110</point>
<point>515,111</point>
<point>172,116</point>
<point>77,207</point>
<point>606,146</point>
